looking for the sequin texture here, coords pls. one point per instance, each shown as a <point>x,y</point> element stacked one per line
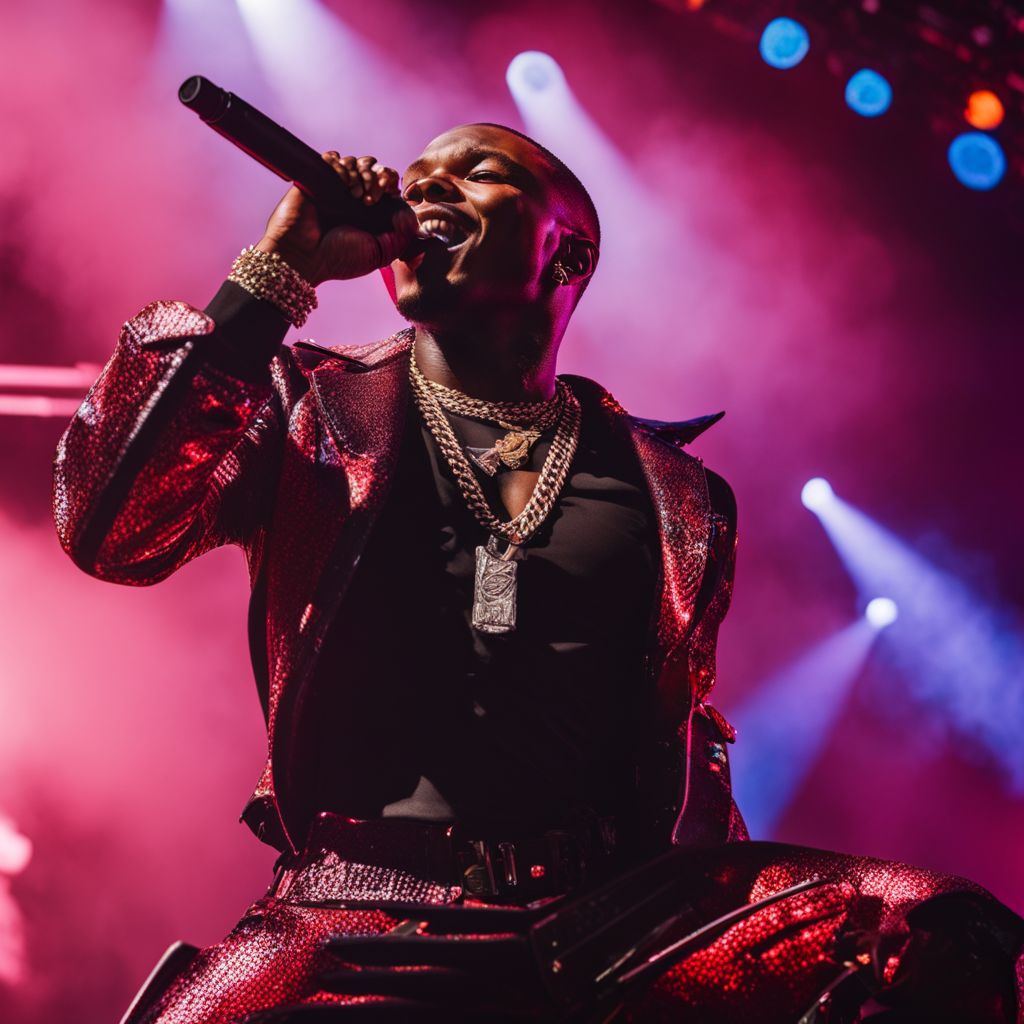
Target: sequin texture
<point>771,966</point>
<point>331,875</point>
<point>271,958</point>
<point>768,968</point>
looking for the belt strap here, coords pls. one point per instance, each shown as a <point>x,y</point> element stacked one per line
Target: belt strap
<point>434,857</point>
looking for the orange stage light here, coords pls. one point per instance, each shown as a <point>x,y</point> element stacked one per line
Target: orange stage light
<point>984,110</point>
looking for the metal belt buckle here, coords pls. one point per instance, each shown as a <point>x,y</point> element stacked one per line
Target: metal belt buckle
<point>510,870</point>
<point>495,870</point>
<point>478,879</point>
<point>556,860</point>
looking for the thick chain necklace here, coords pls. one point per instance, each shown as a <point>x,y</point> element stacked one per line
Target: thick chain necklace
<point>458,401</point>
<point>524,421</point>
<point>494,596</point>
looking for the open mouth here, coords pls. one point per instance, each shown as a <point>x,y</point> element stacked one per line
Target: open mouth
<point>451,234</point>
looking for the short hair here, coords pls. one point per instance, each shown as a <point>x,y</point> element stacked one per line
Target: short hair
<point>570,187</point>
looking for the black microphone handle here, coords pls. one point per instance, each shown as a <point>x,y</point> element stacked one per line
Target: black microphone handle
<point>290,158</point>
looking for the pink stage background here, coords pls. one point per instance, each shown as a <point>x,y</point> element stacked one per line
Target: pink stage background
<point>820,276</point>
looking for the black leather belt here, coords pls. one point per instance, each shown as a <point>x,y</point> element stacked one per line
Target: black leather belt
<point>491,867</point>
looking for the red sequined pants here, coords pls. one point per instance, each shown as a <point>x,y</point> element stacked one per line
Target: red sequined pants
<point>767,969</point>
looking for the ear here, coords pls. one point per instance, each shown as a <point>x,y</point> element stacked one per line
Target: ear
<point>579,257</point>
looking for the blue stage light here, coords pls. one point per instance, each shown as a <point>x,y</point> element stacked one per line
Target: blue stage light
<point>957,653</point>
<point>784,43</point>
<point>977,160</point>
<point>533,71</point>
<point>816,494</point>
<point>881,612</point>
<point>868,93</point>
<point>785,725</point>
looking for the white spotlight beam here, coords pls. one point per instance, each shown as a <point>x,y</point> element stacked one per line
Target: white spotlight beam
<point>201,37</point>
<point>816,493</point>
<point>645,250</point>
<point>881,612</point>
<point>331,79</point>
<point>556,119</point>
<point>960,655</point>
<point>784,726</point>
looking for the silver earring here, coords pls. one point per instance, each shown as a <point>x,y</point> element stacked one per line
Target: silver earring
<point>559,273</point>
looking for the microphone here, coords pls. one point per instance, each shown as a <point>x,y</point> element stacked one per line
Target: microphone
<point>287,156</point>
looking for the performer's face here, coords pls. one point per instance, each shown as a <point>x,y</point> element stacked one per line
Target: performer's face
<point>486,196</point>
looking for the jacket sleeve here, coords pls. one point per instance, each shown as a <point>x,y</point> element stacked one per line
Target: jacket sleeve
<point>171,449</point>
<point>717,595</point>
<point>716,588</point>
<point>706,811</point>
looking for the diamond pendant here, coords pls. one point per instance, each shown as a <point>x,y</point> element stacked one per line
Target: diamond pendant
<point>494,589</point>
<point>512,451</point>
<point>488,459</point>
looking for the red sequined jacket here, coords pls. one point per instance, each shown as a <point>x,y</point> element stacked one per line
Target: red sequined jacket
<point>172,452</point>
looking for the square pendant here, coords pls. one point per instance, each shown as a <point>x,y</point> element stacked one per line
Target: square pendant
<point>494,593</point>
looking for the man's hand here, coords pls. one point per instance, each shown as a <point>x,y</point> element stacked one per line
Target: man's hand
<point>342,252</point>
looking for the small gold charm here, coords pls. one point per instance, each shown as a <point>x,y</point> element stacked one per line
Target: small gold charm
<point>514,447</point>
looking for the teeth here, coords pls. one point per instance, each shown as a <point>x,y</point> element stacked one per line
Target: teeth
<point>443,230</point>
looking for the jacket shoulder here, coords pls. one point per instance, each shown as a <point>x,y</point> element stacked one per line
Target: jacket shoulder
<point>678,433</point>
<point>309,354</point>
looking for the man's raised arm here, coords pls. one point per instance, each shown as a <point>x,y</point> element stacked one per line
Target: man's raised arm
<point>175,446</point>
<point>145,470</point>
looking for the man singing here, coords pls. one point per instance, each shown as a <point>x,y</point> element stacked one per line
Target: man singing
<point>485,602</point>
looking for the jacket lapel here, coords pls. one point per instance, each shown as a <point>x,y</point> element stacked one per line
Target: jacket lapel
<point>682,510</point>
<point>340,475</point>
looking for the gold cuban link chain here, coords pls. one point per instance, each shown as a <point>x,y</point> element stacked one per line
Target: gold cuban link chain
<point>552,475</point>
<point>512,450</point>
<point>538,415</point>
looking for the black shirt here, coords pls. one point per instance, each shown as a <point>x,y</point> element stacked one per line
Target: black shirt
<point>422,716</point>
<point>418,715</point>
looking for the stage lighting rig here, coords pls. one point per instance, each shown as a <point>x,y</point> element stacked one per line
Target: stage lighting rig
<point>952,64</point>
